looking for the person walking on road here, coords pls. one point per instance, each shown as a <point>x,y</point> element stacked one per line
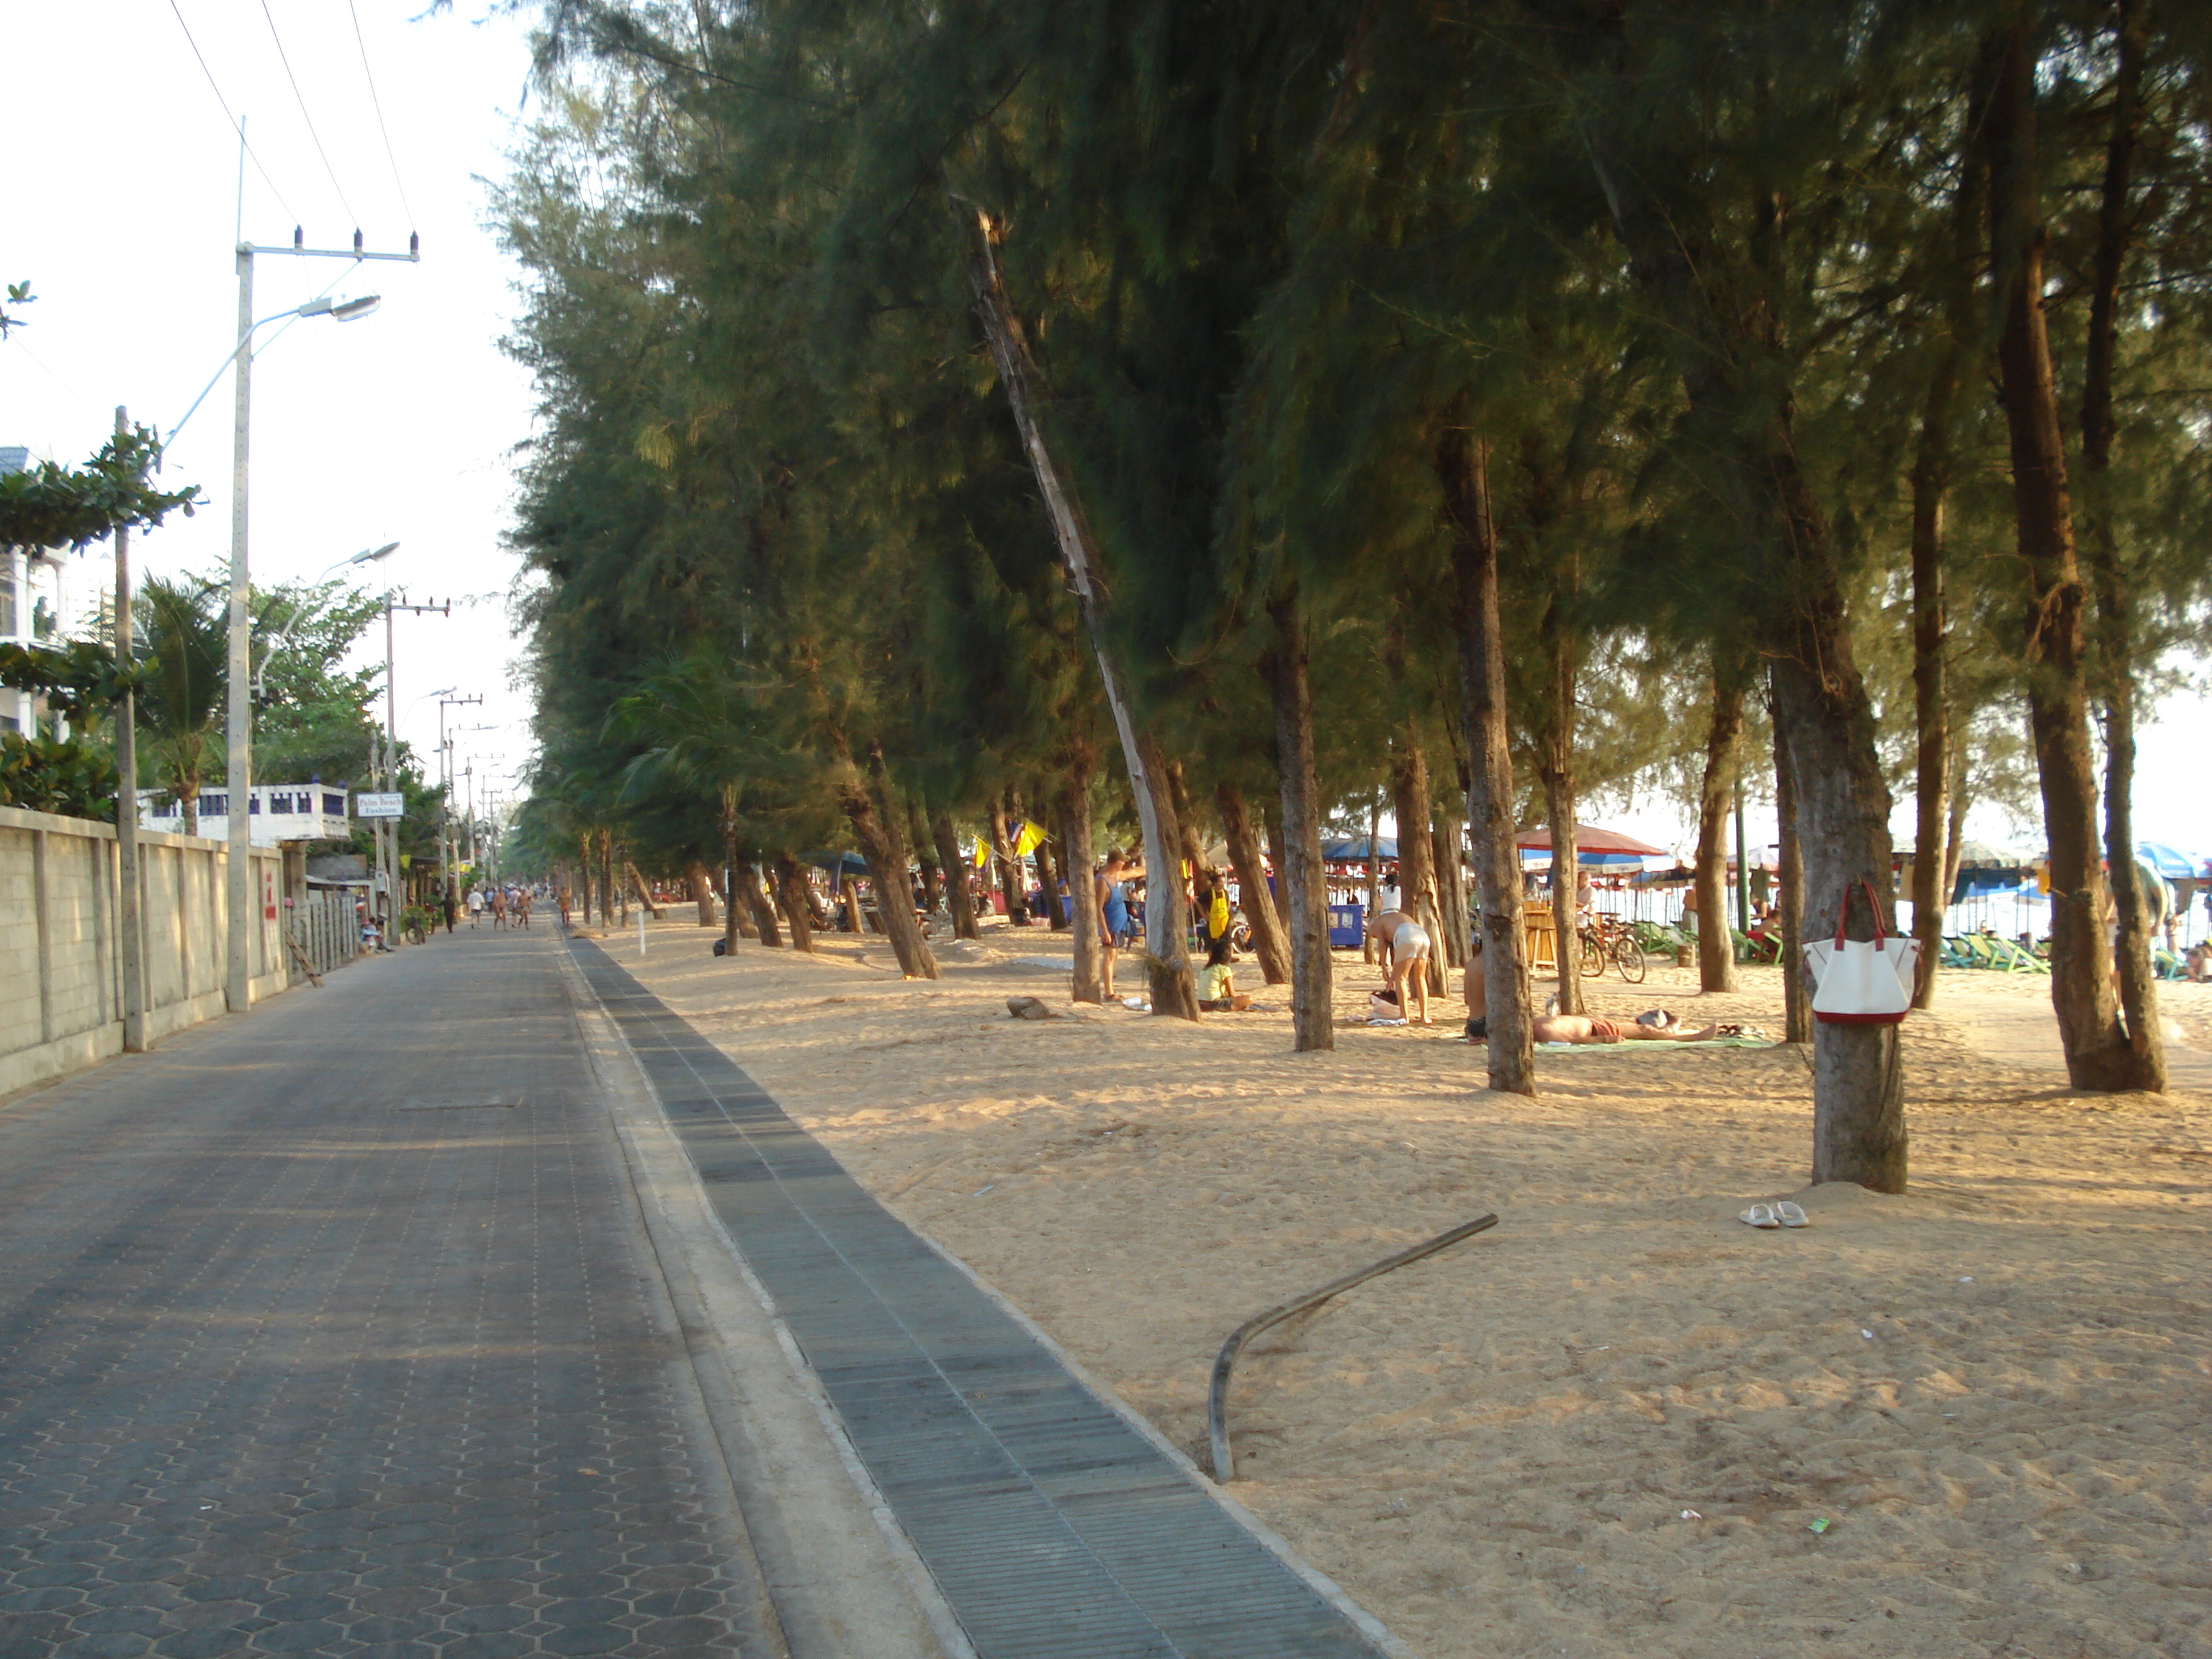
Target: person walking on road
<point>450,906</point>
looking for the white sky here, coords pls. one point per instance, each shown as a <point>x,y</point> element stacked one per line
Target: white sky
<point>122,202</point>
<point>120,210</point>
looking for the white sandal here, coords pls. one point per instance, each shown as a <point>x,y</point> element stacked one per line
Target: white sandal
<point>1790,1215</point>
<point>1761,1216</point>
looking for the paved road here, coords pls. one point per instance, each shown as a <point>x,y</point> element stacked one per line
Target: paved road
<point>331,1330</point>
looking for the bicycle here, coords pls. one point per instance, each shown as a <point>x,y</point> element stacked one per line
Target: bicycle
<point>1608,939</point>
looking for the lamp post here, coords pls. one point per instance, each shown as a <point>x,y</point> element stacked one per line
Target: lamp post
<point>368,555</point>
<point>239,748</point>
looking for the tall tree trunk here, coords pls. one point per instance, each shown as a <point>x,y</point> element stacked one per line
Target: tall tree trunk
<point>737,920</point>
<point>1933,467</point>
<point>1730,356</point>
<point>1270,809</point>
<point>2098,1054</point>
<point>1954,837</point>
<point>610,900</point>
<point>2116,617</point>
<point>791,895</point>
<point>1417,878</point>
<point>924,855</point>
<point>1708,880</point>
<point>956,868</point>
<point>1004,826</point>
<point>1288,667</point>
<point>1451,885</point>
<point>1555,770</point>
<point>703,891</point>
<point>1367,949</point>
<point>879,825</point>
<point>1462,470</point>
<point>1790,878</point>
<point>756,901</point>
<point>583,878</point>
<point>1088,983</point>
<point>1268,943</point>
<point>1174,987</point>
<point>1050,869</point>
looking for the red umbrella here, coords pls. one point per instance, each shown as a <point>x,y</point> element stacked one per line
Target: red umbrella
<point>1588,838</point>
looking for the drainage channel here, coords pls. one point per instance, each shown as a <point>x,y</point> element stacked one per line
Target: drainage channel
<point>1054,1528</point>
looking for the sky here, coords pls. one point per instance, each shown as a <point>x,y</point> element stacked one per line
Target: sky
<point>122,207</point>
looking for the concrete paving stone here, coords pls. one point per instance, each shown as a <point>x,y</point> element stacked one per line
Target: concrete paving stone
<point>490,1644</point>
<point>589,1610</point>
<point>281,1367</point>
<point>116,1644</point>
<point>663,1634</point>
<point>489,1616</point>
<point>307,1635</point>
<point>673,1604</point>
<point>586,1639</point>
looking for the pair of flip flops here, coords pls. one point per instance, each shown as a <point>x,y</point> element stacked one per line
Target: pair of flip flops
<point>1780,1214</point>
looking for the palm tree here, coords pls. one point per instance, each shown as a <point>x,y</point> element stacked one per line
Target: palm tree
<point>183,642</point>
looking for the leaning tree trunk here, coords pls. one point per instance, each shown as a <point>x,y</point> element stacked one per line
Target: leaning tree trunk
<point>2116,614</point>
<point>1288,667</point>
<point>1790,876</point>
<point>1174,987</point>
<point>1462,470</point>
<point>2097,1053</point>
<point>756,901</point>
<point>1417,880</point>
<point>703,891</point>
<point>878,817</point>
<point>1268,943</point>
<point>644,891</point>
<point>1716,942</point>
<point>1088,983</point>
<point>1048,874</point>
<point>956,869</point>
<point>791,895</point>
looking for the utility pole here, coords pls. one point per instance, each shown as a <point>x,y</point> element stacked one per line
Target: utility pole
<point>239,746</point>
<point>389,828</point>
<point>446,790</point>
<point>126,805</point>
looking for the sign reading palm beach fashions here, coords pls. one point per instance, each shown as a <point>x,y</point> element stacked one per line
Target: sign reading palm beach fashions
<point>369,806</point>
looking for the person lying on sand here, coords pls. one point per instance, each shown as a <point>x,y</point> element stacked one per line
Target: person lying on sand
<point>1404,949</point>
<point>1585,1030</point>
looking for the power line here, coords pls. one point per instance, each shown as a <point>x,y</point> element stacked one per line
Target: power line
<point>300,98</point>
<point>378,103</point>
<point>236,126</point>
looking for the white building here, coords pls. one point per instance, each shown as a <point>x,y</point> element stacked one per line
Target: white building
<point>275,813</point>
<point>30,581</point>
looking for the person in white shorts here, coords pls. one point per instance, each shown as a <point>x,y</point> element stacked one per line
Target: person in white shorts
<point>1405,950</point>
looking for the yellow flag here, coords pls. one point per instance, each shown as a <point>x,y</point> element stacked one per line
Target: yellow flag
<point>1027,839</point>
<point>982,852</point>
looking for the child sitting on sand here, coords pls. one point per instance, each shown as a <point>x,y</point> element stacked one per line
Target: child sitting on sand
<point>1217,985</point>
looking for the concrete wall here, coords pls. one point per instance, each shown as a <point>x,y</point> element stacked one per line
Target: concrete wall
<point>61,970</point>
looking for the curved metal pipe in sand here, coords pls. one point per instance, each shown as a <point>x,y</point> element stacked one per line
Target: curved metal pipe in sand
<point>1216,1400</point>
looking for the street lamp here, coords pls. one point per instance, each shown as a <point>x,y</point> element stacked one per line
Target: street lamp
<point>369,557</point>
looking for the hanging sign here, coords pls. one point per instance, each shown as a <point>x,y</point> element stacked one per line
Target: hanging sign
<point>369,805</point>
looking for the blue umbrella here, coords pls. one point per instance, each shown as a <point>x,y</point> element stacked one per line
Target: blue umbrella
<point>851,863</point>
<point>1356,851</point>
<point>2173,865</point>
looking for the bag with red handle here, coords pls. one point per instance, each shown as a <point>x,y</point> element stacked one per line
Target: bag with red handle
<point>1862,981</point>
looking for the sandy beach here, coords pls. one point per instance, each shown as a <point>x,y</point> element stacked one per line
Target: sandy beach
<point>1971,1420</point>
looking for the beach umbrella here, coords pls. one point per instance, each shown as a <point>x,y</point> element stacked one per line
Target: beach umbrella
<point>851,864</point>
<point>1356,850</point>
<point>2173,865</point>
<point>1592,845</point>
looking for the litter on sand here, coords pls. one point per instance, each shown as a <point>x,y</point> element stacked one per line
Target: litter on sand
<point>1822,1525</point>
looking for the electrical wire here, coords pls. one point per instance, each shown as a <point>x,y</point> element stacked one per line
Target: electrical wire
<point>376,103</point>
<point>235,123</point>
<point>299,97</point>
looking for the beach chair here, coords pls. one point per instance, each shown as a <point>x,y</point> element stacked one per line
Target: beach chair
<point>2014,960</point>
<point>1957,952</point>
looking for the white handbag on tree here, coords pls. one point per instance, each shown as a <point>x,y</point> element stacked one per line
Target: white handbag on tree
<point>1862,981</point>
